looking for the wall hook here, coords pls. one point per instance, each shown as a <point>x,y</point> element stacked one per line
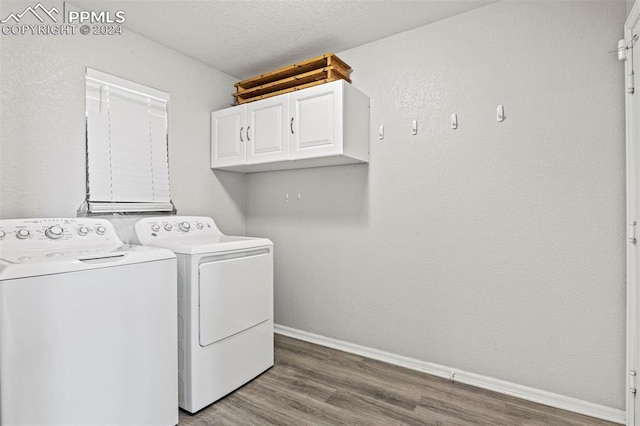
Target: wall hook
<point>500,114</point>
<point>414,127</point>
<point>454,121</point>
<point>381,132</point>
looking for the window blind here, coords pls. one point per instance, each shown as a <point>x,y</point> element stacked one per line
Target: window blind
<point>127,156</point>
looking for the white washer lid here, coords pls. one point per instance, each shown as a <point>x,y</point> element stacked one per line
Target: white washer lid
<point>54,262</point>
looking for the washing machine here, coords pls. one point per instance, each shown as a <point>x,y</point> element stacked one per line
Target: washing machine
<point>88,326</point>
<point>225,305</point>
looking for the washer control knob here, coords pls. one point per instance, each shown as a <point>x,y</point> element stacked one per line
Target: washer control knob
<point>168,227</point>
<point>199,225</point>
<point>155,227</point>
<point>54,232</point>
<point>101,230</point>
<point>184,226</point>
<point>83,231</point>
<point>23,234</point>
<point>2,234</point>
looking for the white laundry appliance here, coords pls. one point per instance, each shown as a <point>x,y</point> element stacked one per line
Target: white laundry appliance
<point>225,305</point>
<point>88,326</point>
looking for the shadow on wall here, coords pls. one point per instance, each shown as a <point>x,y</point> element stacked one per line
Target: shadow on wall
<point>233,185</point>
<point>338,194</point>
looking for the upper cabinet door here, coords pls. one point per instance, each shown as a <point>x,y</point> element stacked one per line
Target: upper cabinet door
<point>228,133</point>
<point>316,121</point>
<point>267,137</point>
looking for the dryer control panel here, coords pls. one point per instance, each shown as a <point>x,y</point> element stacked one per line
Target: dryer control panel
<point>191,235</point>
<point>172,227</point>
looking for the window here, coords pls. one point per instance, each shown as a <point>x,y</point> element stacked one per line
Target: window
<point>127,155</point>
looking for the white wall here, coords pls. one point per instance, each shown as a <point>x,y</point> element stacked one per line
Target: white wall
<point>42,135</point>
<point>497,248</point>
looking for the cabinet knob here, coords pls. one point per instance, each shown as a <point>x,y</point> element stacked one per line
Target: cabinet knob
<point>241,129</point>
<point>291,125</point>
<point>248,138</point>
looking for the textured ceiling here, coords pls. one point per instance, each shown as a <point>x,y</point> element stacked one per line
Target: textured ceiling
<point>245,38</point>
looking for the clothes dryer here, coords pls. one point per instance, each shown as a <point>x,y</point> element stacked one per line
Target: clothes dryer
<point>225,305</point>
<point>88,326</point>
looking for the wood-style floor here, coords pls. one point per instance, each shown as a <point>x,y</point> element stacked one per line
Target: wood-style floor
<point>315,385</point>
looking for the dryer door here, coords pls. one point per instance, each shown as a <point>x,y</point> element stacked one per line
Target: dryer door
<point>236,293</point>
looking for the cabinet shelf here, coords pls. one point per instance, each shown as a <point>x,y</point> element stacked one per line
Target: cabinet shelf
<point>297,82</point>
<point>322,69</point>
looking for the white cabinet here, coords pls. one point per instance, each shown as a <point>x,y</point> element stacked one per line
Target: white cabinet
<point>323,125</point>
<point>267,138</point>
<point>227,130</point>
<point>316,115</point>
<point>250,134</point>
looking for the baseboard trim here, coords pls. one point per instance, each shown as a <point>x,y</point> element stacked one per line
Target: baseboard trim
<point>513,389</point>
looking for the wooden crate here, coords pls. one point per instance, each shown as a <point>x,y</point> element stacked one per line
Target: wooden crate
<point>311,72</point>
